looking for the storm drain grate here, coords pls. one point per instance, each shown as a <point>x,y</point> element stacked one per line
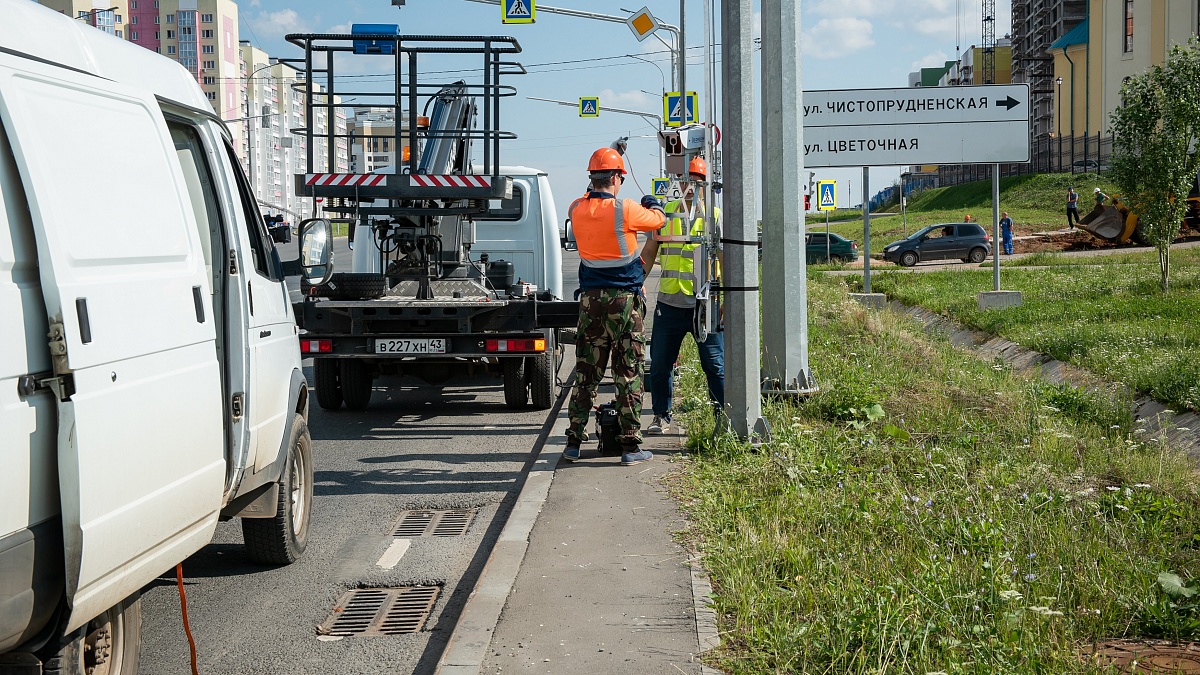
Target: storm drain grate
<point>425,523</point>
<point>381,611</point>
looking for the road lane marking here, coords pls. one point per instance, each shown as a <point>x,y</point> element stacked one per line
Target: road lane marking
<point>394,553</point>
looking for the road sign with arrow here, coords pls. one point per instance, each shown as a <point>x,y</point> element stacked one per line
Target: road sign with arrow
<point>985,124</point>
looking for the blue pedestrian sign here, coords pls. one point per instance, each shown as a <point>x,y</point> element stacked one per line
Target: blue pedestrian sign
<point>662,187</point>
<point>589,106</point>
<point>518,11</point>
<point>826,195</point>
<point>673,108</point>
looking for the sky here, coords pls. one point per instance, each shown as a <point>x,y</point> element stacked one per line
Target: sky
<point>846,44</point>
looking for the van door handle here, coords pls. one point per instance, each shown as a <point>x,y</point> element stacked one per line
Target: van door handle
<point>199,300</point>
<point>264,333</point>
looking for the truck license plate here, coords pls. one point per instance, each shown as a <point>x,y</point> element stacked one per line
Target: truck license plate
<point>429,346</point>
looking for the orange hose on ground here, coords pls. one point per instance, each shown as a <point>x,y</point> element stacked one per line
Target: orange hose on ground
<point>186,626</point>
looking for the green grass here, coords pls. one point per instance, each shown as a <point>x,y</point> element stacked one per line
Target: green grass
<point>1179,256</point>
<point>1109,319</point>
<point>973,522</point>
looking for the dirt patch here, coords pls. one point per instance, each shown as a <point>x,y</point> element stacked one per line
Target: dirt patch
<point>1146,656</point>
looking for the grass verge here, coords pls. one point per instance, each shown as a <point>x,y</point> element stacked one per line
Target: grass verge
<point>1109,319</point>
<point>931,513</point>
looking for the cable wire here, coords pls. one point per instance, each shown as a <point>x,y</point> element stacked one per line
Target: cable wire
<point>187,628</point>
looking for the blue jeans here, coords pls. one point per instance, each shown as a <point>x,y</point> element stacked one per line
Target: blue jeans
<point>671,324</point>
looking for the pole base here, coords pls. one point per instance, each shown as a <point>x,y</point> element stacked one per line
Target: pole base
<point>999,299</point>
<point>872,300</point>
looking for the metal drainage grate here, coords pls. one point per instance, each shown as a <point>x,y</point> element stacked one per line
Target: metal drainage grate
<point>380,611</point>
<point>426,523</point>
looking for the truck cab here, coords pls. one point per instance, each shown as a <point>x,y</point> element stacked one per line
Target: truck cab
<point>150,378</point>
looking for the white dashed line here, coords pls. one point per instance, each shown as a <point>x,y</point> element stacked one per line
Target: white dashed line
<point>394,553</point>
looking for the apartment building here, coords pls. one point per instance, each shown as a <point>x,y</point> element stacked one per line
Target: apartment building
<point>1037,24</point>
<point>373,146</point>
<point>968,70</point>
<point>272,107</point>
<point>110,16</point>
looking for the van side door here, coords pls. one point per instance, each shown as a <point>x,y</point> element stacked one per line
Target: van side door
<point>274,349</point>
<point>141,464</point>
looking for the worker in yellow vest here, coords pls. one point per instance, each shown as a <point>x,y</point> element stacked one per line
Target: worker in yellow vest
<point>675,309</point>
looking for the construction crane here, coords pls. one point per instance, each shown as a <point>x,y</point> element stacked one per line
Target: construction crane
<point>989,41</point>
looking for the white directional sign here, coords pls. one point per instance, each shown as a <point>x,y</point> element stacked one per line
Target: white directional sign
<point>986,124</point>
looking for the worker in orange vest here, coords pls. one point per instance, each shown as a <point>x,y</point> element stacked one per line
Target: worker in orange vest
<point>611,303</point>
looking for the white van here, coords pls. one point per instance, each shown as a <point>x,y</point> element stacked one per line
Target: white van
<point>150,378</point>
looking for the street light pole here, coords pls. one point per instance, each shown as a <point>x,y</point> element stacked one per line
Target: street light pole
<point>644,115</point>
<point>677,32</point>
<point>1058,118</point>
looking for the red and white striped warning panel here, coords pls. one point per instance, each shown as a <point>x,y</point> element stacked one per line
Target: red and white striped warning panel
<point>340,179</point>
<point>450,181</point>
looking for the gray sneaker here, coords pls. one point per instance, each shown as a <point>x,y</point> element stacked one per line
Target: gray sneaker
<point>658,424</point>
<point>636,457</point>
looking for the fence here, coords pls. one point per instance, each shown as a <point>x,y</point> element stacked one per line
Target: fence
<point>1072,154</point>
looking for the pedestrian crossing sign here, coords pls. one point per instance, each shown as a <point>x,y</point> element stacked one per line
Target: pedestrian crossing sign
<point>662,187</point>
<point>826,195</point>
<point>518,11</point>
<point>589,106</point>
<point>673,108</point>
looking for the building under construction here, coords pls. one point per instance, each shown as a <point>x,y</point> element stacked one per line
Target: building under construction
<point>1036,24</point>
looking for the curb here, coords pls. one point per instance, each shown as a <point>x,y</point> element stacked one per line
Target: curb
<point>468,644</point>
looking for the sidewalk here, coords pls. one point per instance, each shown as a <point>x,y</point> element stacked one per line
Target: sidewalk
<point>586,576</point>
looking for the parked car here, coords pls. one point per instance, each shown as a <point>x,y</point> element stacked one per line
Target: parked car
<point>965,241</point>
<point>1088,166</point>
<point>840,249</point>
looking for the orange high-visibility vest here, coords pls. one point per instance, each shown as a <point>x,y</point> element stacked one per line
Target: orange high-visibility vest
<point>606,229</point>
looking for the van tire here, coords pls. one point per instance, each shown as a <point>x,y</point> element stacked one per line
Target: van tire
<point>329,386</point>
<point>124,622</point>
<point>281,540</point>
<point>516,389</point>
<point>542,386</point>
<point>354,286</point>
<point>356,384</point>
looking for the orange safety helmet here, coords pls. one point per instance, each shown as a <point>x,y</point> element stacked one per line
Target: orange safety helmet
<point>606,159</point>
<point>698,168</point>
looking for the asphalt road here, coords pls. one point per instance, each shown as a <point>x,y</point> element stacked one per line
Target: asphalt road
<point>416,447</point>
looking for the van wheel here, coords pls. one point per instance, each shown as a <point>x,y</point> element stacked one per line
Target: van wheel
<point>110,644</point>
<point>908,259</point>
<point>329,387</point>
<point>977,255</point>
<point>281,540</point>
<point>356,384</point>
<point>542,386</point>
<point>516,389</point>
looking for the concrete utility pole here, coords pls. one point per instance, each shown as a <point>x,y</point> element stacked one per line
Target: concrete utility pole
<point>742,397</point>
<point>785,290</point>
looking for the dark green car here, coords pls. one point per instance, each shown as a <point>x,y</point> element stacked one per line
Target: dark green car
<point>840,249</point>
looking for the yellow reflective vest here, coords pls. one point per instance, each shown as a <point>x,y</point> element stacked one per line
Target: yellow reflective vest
<point>676,257</point>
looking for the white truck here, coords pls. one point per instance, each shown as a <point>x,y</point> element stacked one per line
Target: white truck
<point>456,266</point>
<point>150,377</point>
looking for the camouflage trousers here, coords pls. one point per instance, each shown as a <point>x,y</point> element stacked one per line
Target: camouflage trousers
<point>610,326</point>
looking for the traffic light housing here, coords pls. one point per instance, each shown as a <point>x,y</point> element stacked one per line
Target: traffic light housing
<point>807,202</point>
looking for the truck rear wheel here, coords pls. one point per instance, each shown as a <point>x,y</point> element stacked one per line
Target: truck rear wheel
<point>281,540</point>
<point>109,645</point>
<point>329,387</point>
<point>516,389</point>
<point>356,384</point>
<point>542,385</point>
